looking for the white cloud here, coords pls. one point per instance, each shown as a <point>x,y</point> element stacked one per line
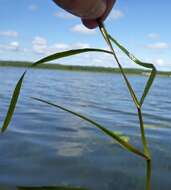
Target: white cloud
<point>80,45</point>
<point>159,62</point>
<point>116,15</point>
<point>162,64</point>
<point>64,15</point>
<point>60,46</point>
<point>39,45</point>
<point>64,46</point>
<point>33,7</point>
<point>9,33</point>
<point>158,46</point>
<point>94,59</point>
<point>153,36</point>
<point>80,28</point>
<point>12,46</point>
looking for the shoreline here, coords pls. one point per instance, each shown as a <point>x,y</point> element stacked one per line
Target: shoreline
<point>131,71</point>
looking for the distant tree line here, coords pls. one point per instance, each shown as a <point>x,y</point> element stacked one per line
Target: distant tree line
<point>79,68</point>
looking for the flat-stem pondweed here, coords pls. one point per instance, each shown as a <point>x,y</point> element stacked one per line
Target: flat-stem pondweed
<point>138,103</point>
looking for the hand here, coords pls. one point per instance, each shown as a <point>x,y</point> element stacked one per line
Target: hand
<point>88,10</point>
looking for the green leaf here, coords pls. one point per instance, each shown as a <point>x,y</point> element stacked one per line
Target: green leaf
<point>143,64</point>
<point>123,137</point>
<point>13,103</point>
<point>109,133</point>
<point>50,188</point>
<point>107,39</point>
<point>131,56</point>
<point>148,85</point>
<point>17,89</point>
<point>150,126</point>
<point>68,53</point>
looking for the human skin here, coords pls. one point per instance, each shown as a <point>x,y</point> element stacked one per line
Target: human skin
<point>88,10</point>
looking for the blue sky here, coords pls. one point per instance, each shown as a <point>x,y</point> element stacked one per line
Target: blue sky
<point>32,29</point>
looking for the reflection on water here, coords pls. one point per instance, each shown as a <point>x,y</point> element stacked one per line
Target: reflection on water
<point>45,147</point>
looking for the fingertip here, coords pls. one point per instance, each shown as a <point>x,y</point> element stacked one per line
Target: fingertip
<point>110,4</point>
<point>90,23</point>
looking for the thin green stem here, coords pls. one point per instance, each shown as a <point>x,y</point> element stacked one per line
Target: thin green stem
<point>148,175</point>
<point>144,141</point>
<point>137,103</point>
<point>146,151</point>
<point>123,143</point>
<point>106,37</point>
<point>143,136</point>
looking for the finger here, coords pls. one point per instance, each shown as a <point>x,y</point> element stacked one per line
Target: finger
<point>89,9</point>
<point>110,4</point>
<point>92,23</point>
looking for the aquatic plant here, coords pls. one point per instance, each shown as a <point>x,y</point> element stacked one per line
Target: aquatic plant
<point>145,154</point>
<point>50,188</point>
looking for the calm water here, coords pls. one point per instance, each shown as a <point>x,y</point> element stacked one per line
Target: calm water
<point>44,146</point>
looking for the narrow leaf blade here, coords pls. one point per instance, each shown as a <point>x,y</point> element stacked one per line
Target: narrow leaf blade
<point>46,59</point>
<point>116,137</point>
<point>148,85</point>
<point>67,54</point>
<point>51,188</point>
<point>108,41</point>
<point>143,64</point>
<point>12,103</point>
<point>131,56</point>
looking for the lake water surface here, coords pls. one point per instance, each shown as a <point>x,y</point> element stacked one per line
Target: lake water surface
<point>44,146</point>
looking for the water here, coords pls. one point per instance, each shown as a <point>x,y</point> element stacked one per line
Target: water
<point>46,147</point>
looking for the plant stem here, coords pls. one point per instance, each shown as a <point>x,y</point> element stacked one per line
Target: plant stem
<point>118,139</point>
<point>143,136</point>
<point>148,175</point>
<point>106,37</point>
<point>146,151</point>
<point>138,105</point>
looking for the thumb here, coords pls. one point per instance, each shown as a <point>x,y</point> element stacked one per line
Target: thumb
<point>92,23</point>
<point>87,9</point>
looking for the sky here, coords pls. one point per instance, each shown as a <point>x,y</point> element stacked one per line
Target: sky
<point>33,29</point>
